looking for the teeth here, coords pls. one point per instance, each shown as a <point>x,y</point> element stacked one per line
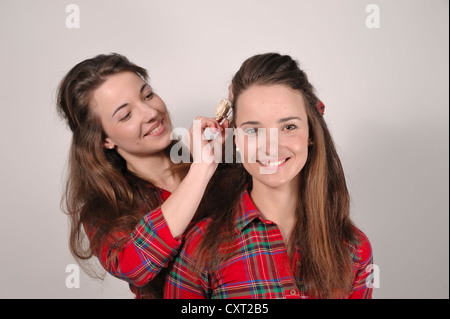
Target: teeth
<point>269,163</point>
<point>156,128</point>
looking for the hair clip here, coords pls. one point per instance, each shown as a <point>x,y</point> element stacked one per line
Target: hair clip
<point>223,109</point>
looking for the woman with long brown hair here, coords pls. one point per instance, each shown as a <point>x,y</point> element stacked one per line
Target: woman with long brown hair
<point>123,191</point>
<point>280,226</point>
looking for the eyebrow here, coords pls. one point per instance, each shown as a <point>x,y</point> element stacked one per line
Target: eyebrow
<point>125,104</point>
<point>285,119</point>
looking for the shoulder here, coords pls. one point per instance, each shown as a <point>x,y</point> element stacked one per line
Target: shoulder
<point>361,248</point>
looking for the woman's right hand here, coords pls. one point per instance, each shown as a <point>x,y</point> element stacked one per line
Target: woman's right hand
<point>205,152</point>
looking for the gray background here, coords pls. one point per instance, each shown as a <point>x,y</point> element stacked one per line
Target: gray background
<point>385,90</point>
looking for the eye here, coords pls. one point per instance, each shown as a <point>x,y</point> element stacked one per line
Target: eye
<point>149,96</point>
<point>250,131</point>
<point>126,117</point>
<point>290,127</point>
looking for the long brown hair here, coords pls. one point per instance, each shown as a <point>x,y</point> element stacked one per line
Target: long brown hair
<point>323,227</point>
<point>99,188</point>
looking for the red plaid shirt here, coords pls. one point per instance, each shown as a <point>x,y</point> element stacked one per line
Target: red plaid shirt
<point>146,251</point>
<point>259,265</point>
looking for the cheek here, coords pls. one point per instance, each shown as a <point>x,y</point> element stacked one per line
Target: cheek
<point>162,109</point>
<point>159,105</point>
<point>300,149</point>
<point>123,133</point>
<point>296,145</point>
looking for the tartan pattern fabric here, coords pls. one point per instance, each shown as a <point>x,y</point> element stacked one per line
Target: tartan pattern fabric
<point>321,107</point>
<point>258,266</point>
<point>139,256</point>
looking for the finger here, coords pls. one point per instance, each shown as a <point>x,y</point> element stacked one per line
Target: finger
<point>225,124</point>
<point>219,120</point>
<point>204,122</point>
<point>213,124</point>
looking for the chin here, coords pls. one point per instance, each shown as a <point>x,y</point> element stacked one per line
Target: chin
<point>165,144</point>
<point>158,146</point>
<point>271,181</point>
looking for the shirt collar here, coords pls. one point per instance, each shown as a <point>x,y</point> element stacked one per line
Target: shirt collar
<point>246,212</point>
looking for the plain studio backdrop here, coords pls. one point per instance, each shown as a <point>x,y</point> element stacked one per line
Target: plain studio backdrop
<point>380,67</point>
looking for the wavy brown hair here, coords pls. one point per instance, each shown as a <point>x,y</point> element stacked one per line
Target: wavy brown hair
<point>323,227</point>
<point>99,189</point>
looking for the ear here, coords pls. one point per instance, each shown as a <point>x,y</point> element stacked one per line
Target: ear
<point>107,143</point>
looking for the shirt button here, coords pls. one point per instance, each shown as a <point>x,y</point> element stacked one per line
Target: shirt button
<point>293,292</point>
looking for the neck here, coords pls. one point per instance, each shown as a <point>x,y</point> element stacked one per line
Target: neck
<point>155,169</point>
<point>277,205</point>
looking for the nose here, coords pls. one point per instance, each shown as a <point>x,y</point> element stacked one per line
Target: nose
<point>268,142</point>
<point>148,113</point>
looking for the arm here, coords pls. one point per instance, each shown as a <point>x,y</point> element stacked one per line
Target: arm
<point>184,280</point>
<point>138,257</point>
<point>181,206</point>
<point>363,283</point>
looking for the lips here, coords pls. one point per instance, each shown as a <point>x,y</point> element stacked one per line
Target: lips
<point>157,129</point>
<point>273,163</point>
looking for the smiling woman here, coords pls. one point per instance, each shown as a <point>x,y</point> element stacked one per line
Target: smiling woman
<point>284,233</point>
<point>133,128</point>
<point>123,191</point>
<point>284,157</point>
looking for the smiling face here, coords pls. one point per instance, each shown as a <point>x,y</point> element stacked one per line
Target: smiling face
<point>278,112</point>
<point>134,119</point>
